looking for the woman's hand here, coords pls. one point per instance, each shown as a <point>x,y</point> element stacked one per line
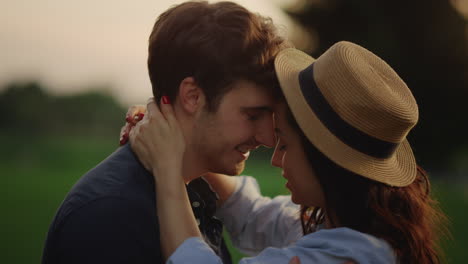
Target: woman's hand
<point>295,260</point>
<point>134,114</point>
<point>157,139</point>
<point>159,143</point>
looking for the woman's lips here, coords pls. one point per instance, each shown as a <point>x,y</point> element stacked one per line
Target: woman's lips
<point>288,184</point>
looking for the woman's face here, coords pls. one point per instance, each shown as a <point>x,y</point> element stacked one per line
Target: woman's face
<point>290,156</point>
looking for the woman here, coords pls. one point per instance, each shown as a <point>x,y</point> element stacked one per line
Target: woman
<point>343,149</point>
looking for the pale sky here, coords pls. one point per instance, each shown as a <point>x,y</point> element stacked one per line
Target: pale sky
<point>70,45</point>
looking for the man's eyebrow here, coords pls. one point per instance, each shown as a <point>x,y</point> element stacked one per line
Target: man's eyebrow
<point>258,108</point>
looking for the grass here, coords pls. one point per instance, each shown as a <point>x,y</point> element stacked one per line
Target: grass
<point>38,172</point>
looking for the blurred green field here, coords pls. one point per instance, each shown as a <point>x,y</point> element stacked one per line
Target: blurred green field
<point>38,172</point>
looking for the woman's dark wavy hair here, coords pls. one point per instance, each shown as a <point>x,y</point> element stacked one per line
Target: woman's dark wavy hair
<point>408,218</point>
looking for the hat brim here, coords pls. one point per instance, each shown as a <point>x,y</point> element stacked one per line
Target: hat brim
<point>397,170</point>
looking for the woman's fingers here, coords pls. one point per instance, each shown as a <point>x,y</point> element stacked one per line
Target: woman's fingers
<point>135,113</point>
<point>124,134</point>
<point>295,260</point>
<point>140,148</point>
<point>168,111</point>
<point>153,110</point>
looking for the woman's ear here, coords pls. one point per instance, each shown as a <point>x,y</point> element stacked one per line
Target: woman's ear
<point>191,96</point>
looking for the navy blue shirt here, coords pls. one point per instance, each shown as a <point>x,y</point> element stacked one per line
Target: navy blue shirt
<point>110,216</point>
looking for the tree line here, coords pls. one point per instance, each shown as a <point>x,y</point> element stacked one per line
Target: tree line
<point>29,110</point>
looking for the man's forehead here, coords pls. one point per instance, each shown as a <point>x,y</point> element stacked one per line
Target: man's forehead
<point>250,92</point>
<point>250,97</point>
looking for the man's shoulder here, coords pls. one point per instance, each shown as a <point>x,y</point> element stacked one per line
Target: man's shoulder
<point>120,177</point>
<point>107,228</point>
<point>110,211</point>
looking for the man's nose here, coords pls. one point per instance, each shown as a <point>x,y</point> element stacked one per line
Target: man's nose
<point>265,134</point>
<point>267,140</point>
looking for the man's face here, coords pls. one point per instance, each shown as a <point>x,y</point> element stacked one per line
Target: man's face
<point>242,122</point>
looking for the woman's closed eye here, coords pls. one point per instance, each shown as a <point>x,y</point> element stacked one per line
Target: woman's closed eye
<point>280,144</point>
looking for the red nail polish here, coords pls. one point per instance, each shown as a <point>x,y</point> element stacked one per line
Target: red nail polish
<point>140,116</point>
<point>165,100</point>
<point>123,139</point>
<point>128,119</point>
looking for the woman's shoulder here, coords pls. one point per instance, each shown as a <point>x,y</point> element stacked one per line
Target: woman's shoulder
<point>337,245</point>
<point>343,234</point>
<point>345,242</point>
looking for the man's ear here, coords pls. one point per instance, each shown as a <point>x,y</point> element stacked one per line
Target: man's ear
<point>191,96</point>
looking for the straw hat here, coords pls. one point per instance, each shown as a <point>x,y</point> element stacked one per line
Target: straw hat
<point>354,108</point>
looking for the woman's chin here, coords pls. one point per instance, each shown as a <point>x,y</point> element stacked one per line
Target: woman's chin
<point>294,199</point>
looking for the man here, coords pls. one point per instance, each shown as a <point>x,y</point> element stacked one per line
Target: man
<point>214,62</point>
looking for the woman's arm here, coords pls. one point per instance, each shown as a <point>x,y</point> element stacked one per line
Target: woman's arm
<point>256,222</point>
<point>223,185</point>
<point>158,142</point>
<point>176,220</point>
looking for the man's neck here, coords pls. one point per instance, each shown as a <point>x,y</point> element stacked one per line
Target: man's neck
<point>191,168</point>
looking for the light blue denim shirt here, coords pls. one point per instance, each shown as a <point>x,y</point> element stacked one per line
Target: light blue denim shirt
<point>255,222</point>
<point>269,230</point>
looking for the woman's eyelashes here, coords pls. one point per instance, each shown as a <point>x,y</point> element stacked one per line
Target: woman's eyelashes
<point>280,144</point>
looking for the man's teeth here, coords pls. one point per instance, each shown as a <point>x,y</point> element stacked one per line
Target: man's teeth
<point>243,151</point>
